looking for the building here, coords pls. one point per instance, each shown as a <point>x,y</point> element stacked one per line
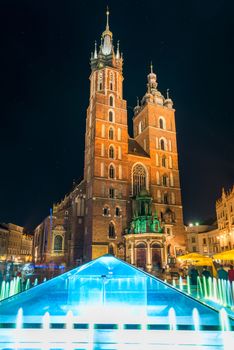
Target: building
<point>15,244</point>
<point>121,174</point>
<point>212,239</point>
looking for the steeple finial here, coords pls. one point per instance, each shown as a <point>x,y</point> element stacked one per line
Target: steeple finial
<point>151,67</point>
<point>168,93</point>
<point>107,18</point>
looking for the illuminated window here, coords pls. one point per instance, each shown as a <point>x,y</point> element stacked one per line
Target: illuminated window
<point>111,192</point>
<point>111,81</point>
<point>106,211</point>
<point>111,134</point>
<point>58,243</point>
<point>138,179</point>
<point>117,211</point>
<point>111,101</point>
<point>100,81</point>
<point>111,152</point>
<point>165,198</point>
<point>162,123</point>
<point>111,230</point>
<point>162,144</point>
<point>111,116</point>
<point>111,172</point>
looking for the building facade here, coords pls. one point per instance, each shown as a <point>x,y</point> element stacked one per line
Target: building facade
<point>15,244</point>
<point>122,171</point>
<point>209,240</point>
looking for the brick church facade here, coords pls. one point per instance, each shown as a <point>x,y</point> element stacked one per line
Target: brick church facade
<point>129,203</point>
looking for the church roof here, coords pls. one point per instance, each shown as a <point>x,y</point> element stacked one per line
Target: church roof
<point>136,149</point>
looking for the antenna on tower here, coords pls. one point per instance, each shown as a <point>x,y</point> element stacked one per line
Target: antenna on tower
<point>151,67</point>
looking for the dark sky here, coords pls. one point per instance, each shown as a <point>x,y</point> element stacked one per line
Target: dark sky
<point>44,57</point>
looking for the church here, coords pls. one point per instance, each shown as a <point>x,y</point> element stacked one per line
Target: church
<point>129,201</point>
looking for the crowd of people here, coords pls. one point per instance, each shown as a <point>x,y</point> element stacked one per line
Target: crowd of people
<point>222,273</point>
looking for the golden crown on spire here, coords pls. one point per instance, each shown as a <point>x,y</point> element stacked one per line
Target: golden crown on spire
<point>107,30</point>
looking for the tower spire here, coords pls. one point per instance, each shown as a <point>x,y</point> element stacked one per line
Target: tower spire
<point>107,18</point>
<point>151,67</point>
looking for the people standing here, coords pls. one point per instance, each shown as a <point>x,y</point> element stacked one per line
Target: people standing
<point>193,274</point>
<point>222,274</point>
<point>206,273</point>
<point>231,274</point>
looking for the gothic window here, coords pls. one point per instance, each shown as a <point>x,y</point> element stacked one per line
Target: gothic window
<point>111,101</point>
<point>139,178</point>
<point>111,230</point>
<point>58,243</point>
<point>111,152</point>
<point>111,116</point>
<point>165,198</point>
<point>106,211</point>
<point>164,161</point>
<point>162,144</point>
<point>111,192</point>
<point>111,134</point>
<point>111,172</point>
<point>111,81</point>
<point>162,123</point>
<point>164,180</point>
<point>100,81</point>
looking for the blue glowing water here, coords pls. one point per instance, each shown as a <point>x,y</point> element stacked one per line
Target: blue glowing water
<point>107,290</point>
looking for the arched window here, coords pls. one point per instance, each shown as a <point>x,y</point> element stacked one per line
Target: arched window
<point>111,152</point>
<point>165,198</point>
<point>106,211</point>
<point>111,101</point>
<point>58,243</point>
<point>139,178</point>
<point>100,81</point>
<point>164,180</point>
<point>111,116</point>
<point>162,144</point>
<point>162,123</point>
<point>117,211</point>
<point>111,81</point>
<point>111,230</point>
<point>111,134</point>
<point>111,172</point>
<point>164,161</point>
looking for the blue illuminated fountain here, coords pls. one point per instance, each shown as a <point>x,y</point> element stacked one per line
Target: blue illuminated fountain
<point>109,304</point>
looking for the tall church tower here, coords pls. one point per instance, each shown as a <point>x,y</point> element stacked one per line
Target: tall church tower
<point>106,144</point>
<point>155,130</point>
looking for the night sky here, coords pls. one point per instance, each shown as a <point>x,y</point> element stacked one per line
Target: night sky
<point>44,56</point>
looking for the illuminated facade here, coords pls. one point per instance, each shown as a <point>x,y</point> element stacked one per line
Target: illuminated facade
<point>218,238</point>
<point>101,210</point>
<point>15,244</point>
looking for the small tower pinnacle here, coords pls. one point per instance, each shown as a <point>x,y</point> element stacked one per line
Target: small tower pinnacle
<point>168,93</point>
<point>151,67</point>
